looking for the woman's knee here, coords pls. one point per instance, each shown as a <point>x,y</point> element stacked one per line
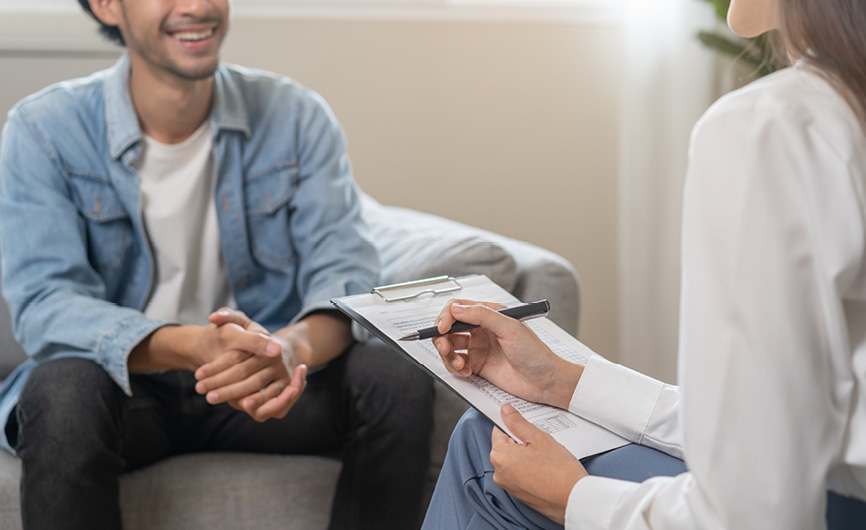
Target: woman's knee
<point>469,446</point>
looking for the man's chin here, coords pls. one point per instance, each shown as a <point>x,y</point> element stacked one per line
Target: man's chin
<point>197,72</point>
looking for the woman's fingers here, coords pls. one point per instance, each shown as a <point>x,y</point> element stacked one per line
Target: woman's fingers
<point>446,317</point>
<point>455,363</point>
<point>485,316</point>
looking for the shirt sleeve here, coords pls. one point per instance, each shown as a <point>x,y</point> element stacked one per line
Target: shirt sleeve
<point>56,299</point>
<point>335,249</point>
<point>634,406</point>
<point>772,235</point>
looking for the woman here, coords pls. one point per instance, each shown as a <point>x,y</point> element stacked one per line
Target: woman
<point>771,414</point>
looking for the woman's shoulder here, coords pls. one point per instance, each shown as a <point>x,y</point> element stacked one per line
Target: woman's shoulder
<point>798,98</point>
<point>792,93</point>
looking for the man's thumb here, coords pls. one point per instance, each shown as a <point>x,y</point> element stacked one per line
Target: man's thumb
<point>517,424</point>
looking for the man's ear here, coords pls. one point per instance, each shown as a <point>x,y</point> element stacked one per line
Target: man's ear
<point>107,11</point>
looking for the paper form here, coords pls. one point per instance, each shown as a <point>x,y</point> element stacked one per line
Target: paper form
<point>392,320</point>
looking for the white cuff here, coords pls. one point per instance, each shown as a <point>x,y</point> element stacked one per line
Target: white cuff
<point>615,397</point>
<point>593,501</point>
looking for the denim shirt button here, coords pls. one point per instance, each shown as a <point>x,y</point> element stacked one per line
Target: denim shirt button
<point>241,282</point>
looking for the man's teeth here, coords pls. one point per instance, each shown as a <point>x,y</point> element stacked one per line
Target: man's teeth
<point>193,36</point>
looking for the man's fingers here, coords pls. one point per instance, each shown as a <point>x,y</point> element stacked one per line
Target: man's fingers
<point>253,342</point>
<point>222,363</point>
<point>242,387</point>
<point>225,315</point>
<point>244,366</point>
<point>518,425</point>
<point>279,406</point>
<point>237,406</point>
<point>254,401</point>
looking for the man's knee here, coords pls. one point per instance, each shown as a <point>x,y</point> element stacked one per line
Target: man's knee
<point>391,381</point>
<point>67,400</point>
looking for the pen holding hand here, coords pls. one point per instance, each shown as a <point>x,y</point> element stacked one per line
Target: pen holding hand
<point>505,352</point>
<point>521,312</point>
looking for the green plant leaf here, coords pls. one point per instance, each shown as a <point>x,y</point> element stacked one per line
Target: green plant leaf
<point>721,7</point>
<point>723,44</point>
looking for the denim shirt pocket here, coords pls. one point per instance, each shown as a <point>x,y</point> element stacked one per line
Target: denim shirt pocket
<point>267,196</point>
<point>109,228</point>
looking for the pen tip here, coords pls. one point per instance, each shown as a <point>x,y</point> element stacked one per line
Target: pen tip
<point>411,336</point>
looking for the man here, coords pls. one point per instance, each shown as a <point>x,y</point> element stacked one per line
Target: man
<point>137,202</point>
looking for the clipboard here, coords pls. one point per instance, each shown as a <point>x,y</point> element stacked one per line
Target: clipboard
<point>402,292</point>
<point>391,311</point>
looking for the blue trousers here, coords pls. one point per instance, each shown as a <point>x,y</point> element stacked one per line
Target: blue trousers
<point>466,498</point>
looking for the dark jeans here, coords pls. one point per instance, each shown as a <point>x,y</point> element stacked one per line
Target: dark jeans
<point>78,432</point>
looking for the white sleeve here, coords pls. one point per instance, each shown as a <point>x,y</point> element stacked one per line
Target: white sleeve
<point>635,406</point>
<point>771,228</point>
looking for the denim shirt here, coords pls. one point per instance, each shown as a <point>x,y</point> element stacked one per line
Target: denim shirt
<point>77,265</point>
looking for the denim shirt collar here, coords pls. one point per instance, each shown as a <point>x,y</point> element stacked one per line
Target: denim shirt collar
<point>229,111</point>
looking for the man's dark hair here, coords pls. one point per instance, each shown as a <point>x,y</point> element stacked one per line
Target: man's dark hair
<point>109,32</point>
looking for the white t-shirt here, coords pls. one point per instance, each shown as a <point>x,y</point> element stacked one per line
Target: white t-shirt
<point>177,189</point>
<point>771,411</point>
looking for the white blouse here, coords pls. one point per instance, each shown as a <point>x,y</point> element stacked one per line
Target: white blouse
<point>771,411</point>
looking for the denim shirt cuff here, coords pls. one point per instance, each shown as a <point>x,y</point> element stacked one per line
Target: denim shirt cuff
<point>116,345</point>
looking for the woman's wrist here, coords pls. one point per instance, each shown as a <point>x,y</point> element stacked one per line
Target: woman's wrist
<point>565,379</point>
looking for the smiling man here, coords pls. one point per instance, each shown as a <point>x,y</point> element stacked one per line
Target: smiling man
<point>173,230</point>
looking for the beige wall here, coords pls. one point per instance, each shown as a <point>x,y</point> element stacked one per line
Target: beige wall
<point>508,125</point>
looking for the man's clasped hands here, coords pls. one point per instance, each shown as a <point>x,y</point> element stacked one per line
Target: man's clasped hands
<point>249,368</point>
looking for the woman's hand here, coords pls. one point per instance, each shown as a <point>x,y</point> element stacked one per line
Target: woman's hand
<point>506,352</point>
<point>539,472</point>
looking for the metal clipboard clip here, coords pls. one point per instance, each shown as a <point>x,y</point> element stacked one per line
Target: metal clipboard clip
<point>428,286</point>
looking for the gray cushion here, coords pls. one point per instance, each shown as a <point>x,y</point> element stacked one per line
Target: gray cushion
<point>10,472</point>
<point>207,491</point>
<point>414,245</point>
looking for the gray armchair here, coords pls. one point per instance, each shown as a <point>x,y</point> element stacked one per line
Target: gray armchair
<point>170,495</point>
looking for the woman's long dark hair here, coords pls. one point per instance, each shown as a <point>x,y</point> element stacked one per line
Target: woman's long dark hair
<point>830,35</point>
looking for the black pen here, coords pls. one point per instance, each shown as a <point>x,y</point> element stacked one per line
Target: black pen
<point>520,312</point>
